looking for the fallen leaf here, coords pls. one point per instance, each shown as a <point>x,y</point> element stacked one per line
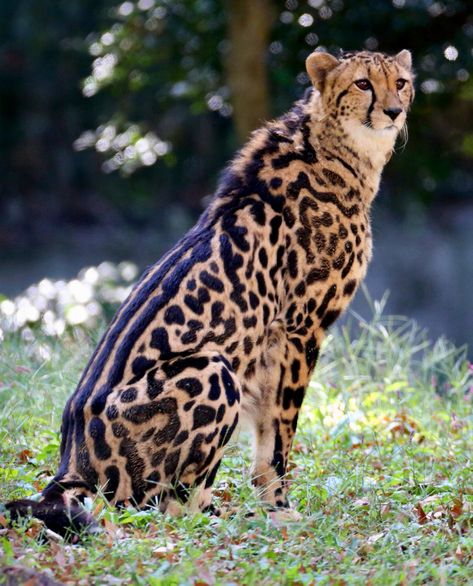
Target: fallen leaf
<point>457,509</point>
<point>420,513</point>
<point>24,455</point>
<point>459,554</point>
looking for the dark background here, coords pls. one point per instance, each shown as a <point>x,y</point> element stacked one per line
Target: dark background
<point>116,118</point>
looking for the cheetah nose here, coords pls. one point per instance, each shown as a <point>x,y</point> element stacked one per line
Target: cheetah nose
<point>393,113</point>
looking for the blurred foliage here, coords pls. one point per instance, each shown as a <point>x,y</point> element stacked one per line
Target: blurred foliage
<point>145,83</point>
<point>164,52</point>
<point>53,308</point>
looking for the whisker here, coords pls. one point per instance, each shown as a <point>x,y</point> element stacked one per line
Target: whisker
<point>404,134</point>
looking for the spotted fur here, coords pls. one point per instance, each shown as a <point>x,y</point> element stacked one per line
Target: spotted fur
<point>227,326</point>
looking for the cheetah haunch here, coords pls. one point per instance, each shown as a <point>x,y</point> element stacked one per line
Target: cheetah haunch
<point>227,326</point>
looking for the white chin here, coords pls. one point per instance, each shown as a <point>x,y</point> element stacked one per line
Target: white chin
<point>386,130</point>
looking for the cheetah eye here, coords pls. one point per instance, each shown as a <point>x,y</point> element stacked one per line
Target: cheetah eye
<point>400,83</point>
<point>363,84</point>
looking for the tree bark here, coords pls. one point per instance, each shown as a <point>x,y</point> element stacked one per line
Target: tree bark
<point>249,26</point>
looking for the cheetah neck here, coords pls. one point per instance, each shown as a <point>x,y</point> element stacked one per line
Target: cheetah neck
<point>363,148</point>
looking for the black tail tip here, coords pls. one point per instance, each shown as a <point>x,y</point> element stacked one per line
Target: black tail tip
<point>71,522</point>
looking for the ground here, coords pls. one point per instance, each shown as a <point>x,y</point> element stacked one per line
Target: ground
<point>381,473</point>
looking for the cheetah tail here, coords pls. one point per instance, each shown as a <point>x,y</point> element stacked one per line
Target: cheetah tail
<point>59,512</point>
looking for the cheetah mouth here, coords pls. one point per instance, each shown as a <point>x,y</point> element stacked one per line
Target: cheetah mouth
<point>385,129</point>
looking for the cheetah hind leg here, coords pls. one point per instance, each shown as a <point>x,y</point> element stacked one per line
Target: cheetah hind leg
<point>208,395</point>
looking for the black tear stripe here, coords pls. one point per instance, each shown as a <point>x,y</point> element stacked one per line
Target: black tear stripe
<point>340,96</point>
<point>373,102</point>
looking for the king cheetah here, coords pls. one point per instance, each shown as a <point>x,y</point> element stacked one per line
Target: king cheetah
<point>227,326</point>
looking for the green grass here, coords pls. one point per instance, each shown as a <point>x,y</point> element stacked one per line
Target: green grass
<point>381,472</point>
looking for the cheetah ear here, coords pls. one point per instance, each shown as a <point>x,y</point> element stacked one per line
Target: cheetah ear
<point>319,65</point>
<point>404,58</point>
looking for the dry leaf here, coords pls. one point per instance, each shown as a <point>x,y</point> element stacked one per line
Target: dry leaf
<point>24,455</point>
<point>420,514</point>
<point>457,509</point>
<point>459,554</point>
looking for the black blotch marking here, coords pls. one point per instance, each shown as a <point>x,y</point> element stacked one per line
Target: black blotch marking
<point>311,353</point>
<point>326,300</point>
<point>289,217</point>
<point>194,304</point>
<point>180,438</point>
<point>220,413</point>
<point>231,263</point>
<point>338,262</point>
<point>349,287</point>
<point>146,411</point>
<point>300,289</point>
<point>188,406</point>
<point>262,290</point>
<point>216,311</point>
<point>112,474</point>
<point>160,341</point>
<point>99,400</point>
<point>329,317</point>
<point>175,367</point>
<point>154,386</point>
<point>292,264</point>
<point>231,392</point>
<point>348,266</point>
<point>112,412</point>
<point>250,322</point>
<point>342,232</point>
<point>128,395</point>
<point>158,457</point>
<point>293,396</point>
<point>236,233</point>
<point>192,386</point>
<point>97,432</point>
<point>334,178</point>
<point>214,392</point>
<point>254,300</point>
<point>139,367</point>
<point>171,462</point>
<point>319,274</point>
<point>119,430</point>
<point>247,345</point>
<point>211,281</point>
<point>203,415</point>
<point>263,257</point>
<point>295,370</point>
<point>275,224</point>
<point>174,315</point>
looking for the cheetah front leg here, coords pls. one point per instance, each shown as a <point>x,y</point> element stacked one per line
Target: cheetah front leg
<point>276,422</point>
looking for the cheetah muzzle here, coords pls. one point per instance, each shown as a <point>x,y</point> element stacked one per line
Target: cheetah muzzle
<point>227,326</point>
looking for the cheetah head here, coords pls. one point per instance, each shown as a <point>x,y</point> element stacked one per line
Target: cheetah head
<point>368,93</point>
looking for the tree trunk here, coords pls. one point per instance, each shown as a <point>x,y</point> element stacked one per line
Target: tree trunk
<point>249,26</point>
